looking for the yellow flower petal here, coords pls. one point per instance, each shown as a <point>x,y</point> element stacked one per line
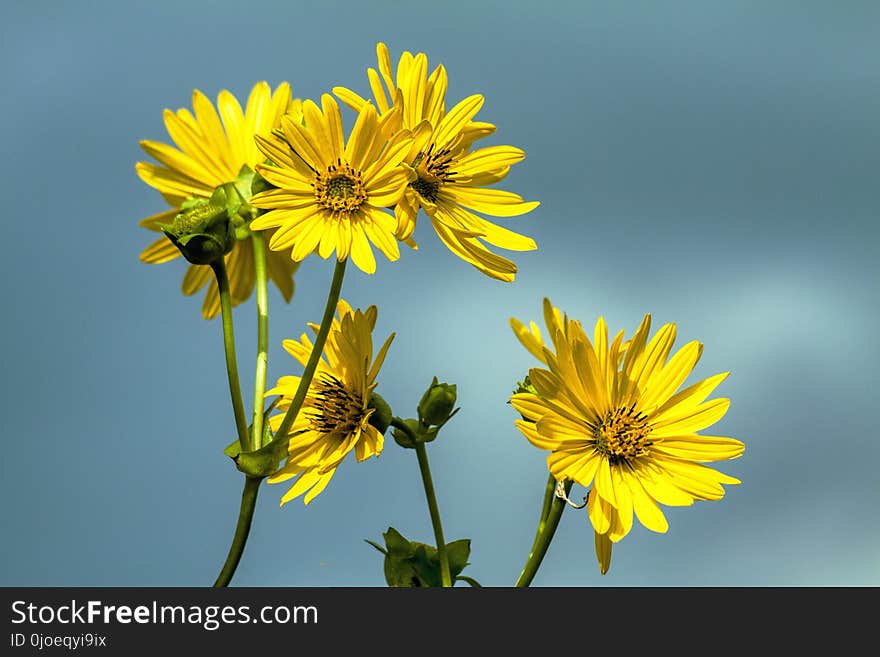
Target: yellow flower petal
<point>350,98</point>
<point>667,380</point>
<point>575,465</point>
<point>603,551</point>
<point>529,337</point>
<point>599,512</point>
<point>360,142</point>
<point>162,250</point>
<point>169,181</point>
<point>694,447</point>
<point>531,433</point>
<point>176,160</point>
<point>678,420</point>
<point>646,509</point>
<point>488,159</point>
<point>456,119</point>
<point>195,278</point>
<point>361,253</point>
<point>470,250</point>
<point>305,142</point>
<point>489,232</point>
<point>495,202</point>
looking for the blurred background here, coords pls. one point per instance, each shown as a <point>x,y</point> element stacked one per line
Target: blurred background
<point>714,163</point>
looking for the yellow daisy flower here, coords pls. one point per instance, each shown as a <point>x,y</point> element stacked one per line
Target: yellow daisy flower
<point>612,417</point>
<point>452,179</point>
<point>211,153</point>
<point>335,416</point>
<point>331,195</point>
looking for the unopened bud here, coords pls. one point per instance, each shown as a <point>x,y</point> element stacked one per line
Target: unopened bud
<point>437,404</point>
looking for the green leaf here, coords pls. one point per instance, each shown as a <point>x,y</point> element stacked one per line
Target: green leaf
<point>267,436</point>
<point>413,564</point>
<point>458,552</point>
<point>233,449</point>
<point>397,544</point>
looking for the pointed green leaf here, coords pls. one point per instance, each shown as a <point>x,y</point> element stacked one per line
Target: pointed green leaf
<point>396,543</point>
<point>458,552</point>
<point>233,449</point>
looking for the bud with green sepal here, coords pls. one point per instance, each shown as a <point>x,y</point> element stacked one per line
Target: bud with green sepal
<point>437,405</point>
<point>202,230</point>
<point>525,386</point>
<point>381,416</point>
<point>436,408</point>
<point>206,229</point>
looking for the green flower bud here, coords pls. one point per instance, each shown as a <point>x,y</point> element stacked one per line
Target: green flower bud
<point>437,404</point>
<point>381,415</point>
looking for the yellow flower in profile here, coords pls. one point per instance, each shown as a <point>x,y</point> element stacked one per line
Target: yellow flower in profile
<point>211,150</point>
<point>452,179</point>
<point>612,416</point>
<point>331,195</point>
<point>335,416</point>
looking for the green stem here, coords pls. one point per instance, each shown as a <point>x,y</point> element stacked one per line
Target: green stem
<point>242,529</point>
<point>262,338</point>
<point>542,540</point>
<point>317,350</point>
<point>422,454</point>
<point>549,494</point>
<point>219,268</point>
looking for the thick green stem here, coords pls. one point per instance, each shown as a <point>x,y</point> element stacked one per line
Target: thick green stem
<point>543,539</point>
<point>317,349</point>
<point>262,338</point>
<point>219,268</point>
<point>422,454</point>
<point>242,529</point>
<point>549,494</point>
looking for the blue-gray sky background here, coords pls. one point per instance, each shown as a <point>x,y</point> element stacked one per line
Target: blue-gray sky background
<point>714,163</point>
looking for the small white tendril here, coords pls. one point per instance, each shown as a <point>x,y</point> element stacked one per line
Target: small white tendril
<point>560,493</point>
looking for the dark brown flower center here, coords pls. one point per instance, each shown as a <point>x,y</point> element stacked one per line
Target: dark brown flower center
<point>335,409</point>
<point>432,168</point>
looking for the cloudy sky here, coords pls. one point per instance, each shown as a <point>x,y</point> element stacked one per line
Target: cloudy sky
<point>714,164</point>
